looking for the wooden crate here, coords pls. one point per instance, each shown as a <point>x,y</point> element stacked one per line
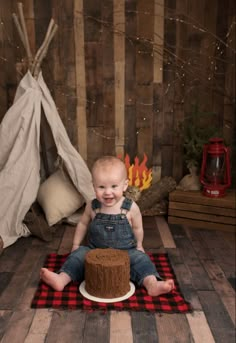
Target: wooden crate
<point>196,210</point>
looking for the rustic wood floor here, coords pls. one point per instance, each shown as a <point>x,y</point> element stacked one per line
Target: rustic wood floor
<point>204,263</point>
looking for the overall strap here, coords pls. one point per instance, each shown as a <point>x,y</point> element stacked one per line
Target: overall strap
<point>126,205</point>
<point>95,204</point>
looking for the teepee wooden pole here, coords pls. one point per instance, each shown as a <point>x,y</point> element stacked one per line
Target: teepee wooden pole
<point>36,58</point>
<point>23,25</point>
<point>19,29</point>
<point>34,63</point>
<point>42,51</point>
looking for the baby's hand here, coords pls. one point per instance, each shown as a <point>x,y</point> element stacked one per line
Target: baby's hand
<point>140,248</point>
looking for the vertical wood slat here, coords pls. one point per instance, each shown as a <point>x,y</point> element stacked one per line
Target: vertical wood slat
<point>179,91</point>
<point>93,31</point>
<point>228,119</point>
<point>80,79</point>
<point>210,98</point>
<point>130,87</point>
<point>144,78</point>
<point>62,61</point>
<point>158,41</point>
<point>107,111</point>
<point>7,62</point>
<point>52,70</point>
<point>119,61</point>
<point>158,115</point>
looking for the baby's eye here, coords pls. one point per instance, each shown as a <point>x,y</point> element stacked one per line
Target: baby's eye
<point>101,187</point>
<point>114,186</point>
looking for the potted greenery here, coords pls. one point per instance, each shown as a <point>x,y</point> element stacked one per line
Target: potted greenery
<point>195,130</point>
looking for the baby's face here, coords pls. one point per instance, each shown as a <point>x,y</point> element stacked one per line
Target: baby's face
<point>109,184</point>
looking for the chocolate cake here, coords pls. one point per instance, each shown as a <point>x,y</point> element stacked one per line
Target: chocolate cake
<point>107,273</point>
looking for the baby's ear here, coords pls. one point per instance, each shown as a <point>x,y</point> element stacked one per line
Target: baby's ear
<point>126,184</point>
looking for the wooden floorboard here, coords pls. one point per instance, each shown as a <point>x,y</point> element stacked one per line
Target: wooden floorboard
<point>144,327</point>
<point>217,316</point>
<point>67,325</point>
<point>199,328</point>
<point>120,327</point>
<point>173,328</point>
<point>204,264</point>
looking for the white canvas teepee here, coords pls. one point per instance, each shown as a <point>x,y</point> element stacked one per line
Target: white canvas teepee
<point>20,156</point>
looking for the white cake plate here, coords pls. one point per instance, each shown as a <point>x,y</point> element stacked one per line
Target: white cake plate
<point>110,300</point>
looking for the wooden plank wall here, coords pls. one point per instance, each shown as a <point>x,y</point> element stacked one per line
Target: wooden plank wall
<point>123,74</point>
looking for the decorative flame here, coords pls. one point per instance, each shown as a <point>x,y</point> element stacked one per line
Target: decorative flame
<point>138,173</point>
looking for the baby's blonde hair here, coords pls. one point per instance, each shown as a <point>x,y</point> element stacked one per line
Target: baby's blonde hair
<point>108,160</point>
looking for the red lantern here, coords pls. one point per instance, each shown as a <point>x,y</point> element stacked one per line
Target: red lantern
<point>215,171</point>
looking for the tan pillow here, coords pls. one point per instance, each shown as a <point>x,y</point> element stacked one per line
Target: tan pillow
<point>58,197</point>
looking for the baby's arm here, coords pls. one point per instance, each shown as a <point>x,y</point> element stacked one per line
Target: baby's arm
<point>81,228</point>
<point>137,225</point>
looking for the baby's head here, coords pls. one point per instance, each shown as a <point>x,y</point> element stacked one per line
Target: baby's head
<point>109,176</point>
<point>109,164</point>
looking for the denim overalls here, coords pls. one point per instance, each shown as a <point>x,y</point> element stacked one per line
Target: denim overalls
<point>111,231</point>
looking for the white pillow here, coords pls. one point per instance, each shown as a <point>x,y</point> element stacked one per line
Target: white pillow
<point>58,197</point>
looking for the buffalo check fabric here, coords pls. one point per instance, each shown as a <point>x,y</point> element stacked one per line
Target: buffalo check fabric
<point>71,298</point>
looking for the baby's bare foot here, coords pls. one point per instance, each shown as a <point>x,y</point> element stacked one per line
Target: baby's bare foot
<point>155,287</point>
<point>54,280</point>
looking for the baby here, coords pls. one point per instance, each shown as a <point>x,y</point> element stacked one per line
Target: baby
<point>111,221</point>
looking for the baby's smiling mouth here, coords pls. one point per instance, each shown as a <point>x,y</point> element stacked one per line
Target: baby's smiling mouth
<point>108,200</point>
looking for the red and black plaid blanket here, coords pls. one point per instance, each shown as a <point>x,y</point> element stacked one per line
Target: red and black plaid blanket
<point>71,298</point>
